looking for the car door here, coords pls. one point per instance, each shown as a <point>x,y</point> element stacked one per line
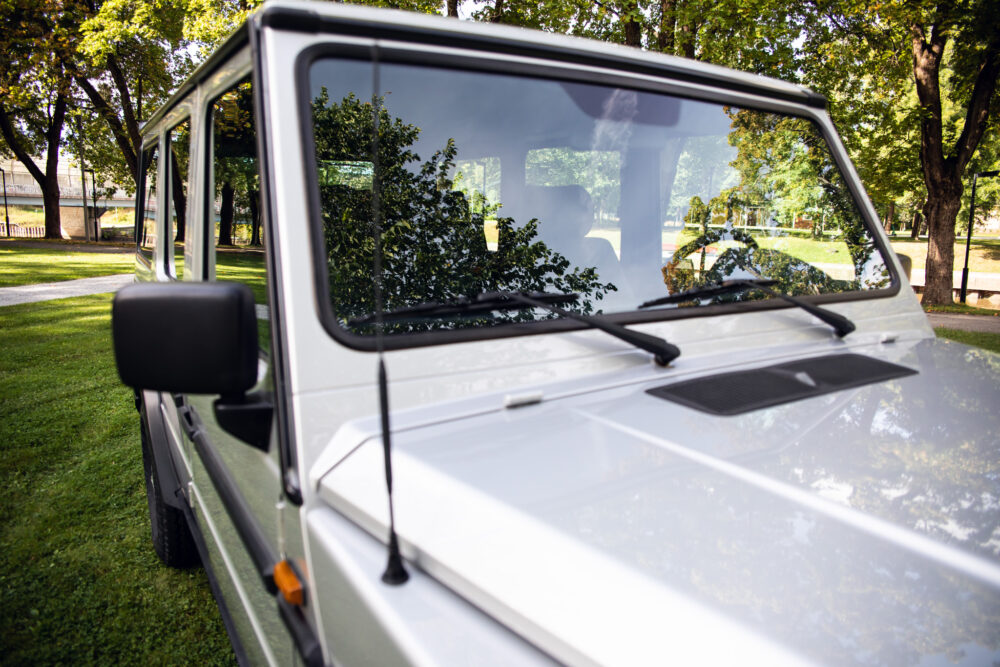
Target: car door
<point>237,486</point>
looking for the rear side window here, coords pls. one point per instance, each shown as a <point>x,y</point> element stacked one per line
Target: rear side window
<point>237,237</point>
<point>145,225</point>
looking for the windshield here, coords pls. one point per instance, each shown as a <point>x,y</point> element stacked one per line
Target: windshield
<point>476,182</point>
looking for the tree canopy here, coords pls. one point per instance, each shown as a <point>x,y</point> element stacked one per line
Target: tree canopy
<point>911,85</point>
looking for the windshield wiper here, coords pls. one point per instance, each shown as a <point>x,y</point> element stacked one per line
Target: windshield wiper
<point>487,302</point>
<point>840,324</point>
<point>663,352</point>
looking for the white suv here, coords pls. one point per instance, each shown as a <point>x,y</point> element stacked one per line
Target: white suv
<point>659,391</point>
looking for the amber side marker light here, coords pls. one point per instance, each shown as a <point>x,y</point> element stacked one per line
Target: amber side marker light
<point>288,583</point>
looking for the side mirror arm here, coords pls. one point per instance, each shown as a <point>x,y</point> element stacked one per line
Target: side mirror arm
<point>247,417</point>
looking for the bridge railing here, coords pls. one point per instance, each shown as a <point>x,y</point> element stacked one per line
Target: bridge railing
<point>22,231</point>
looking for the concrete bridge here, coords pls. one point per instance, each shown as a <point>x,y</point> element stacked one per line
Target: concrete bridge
<point>22,190</point>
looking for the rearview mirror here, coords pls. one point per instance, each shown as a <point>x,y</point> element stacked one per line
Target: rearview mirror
<point>186,337</point>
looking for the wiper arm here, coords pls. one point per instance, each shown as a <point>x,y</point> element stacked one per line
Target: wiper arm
<point>486,302</point>
<point>841,325</point>
<point>705,291</point>
<point>663,352</point>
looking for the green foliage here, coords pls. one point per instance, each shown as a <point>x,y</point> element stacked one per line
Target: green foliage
<point>433,244</point>
<point>420,6</point>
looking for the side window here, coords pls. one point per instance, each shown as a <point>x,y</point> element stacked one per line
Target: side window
<point>145,210</point>
<point>238,237</point>
<point>179,141</point>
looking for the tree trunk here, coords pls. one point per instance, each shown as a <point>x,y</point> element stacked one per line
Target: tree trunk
<point>890,214</point>
<point>497,12</point>
<point>180,201</point>
<point>48,180</point>
<point>633,33</point>
<point>255,218</point>
<point>53,136</point>
<point>226,215</point>
<point>687,40</point>
<point>50,200</point>
<point>453,8</point>
<point>118,131</point>
<point>124,129</point>
<point>668,20</point>
<point>941,210</point>
<point>943,170</point>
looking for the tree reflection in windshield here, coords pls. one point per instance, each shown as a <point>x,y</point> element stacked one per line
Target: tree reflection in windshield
<point>787,185</point>
<point>433,238</point>
<point>499,182</point>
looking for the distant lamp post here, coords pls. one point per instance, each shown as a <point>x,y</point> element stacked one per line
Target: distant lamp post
<point>968,238</point>
<point>5,214</point>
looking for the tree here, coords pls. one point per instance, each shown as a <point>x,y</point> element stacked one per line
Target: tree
<point>36,43</point>
<point>432,241</point>
<point>951,54</point>
<point>129,60</point>
<point>978,63</point>
<point>749,35</point>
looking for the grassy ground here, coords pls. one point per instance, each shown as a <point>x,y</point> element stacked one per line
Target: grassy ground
<point>984,254</point>
<point>961,309</point>
<point>27,216</point>
<point>27,266</point>
<point>79,581</point>
<point>988,341</point>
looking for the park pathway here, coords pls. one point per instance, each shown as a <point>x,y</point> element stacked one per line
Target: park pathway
<point>11,296</point>
<point>977,323</point>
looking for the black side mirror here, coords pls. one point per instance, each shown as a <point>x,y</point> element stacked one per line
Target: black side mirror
<point>185,337</point>
<point>194,338</point>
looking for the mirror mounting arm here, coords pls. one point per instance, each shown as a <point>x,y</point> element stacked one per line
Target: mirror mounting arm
<point>247,417</point>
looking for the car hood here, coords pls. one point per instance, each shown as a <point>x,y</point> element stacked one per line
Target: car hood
<point>614,527</point>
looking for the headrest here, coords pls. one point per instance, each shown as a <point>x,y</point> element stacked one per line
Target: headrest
<point>563,211</point>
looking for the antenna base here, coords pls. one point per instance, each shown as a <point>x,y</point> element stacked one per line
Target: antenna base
<point>395,573</point>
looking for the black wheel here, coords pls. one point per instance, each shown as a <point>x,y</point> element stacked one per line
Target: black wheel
<point>171,535</point>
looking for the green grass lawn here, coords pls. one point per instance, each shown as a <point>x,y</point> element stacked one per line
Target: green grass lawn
<point>79,580</point>
<point>961,309</point>
<point>987,341</point>
<point>27,266</point>
<point>244,266</point>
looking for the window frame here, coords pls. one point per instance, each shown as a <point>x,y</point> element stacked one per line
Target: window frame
<point>208,231</point>
<point>147,256</point>
<point>379,54</point>
<point>170,259</point>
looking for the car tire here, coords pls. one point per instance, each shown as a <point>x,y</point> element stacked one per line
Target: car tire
<point>171,534</point>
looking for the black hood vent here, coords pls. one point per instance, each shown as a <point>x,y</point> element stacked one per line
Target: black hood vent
<point>743,391</point>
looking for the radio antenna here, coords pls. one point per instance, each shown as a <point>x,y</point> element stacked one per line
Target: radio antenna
<point>395,572</point>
